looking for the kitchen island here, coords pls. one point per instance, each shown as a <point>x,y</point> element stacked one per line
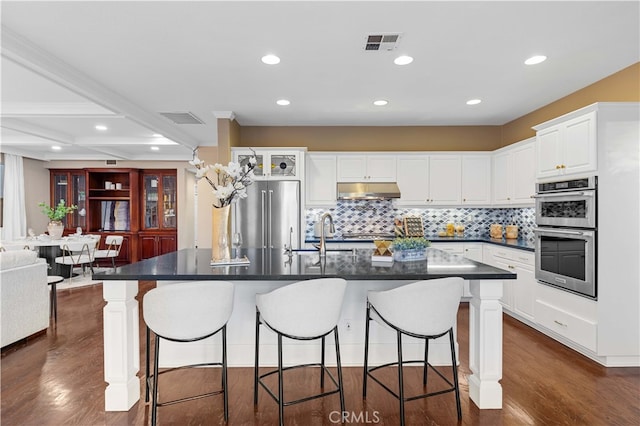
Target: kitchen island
<point>269,269</point>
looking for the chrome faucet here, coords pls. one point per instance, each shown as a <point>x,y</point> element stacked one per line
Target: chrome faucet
<point>323,244</point>
<point>289,250</point>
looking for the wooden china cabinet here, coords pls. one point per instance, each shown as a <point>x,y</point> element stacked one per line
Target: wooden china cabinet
<point>138,204</point>
<point>159,213</point>
<point>70,186</point>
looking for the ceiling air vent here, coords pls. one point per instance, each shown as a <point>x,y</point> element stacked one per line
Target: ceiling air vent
<point>377,42</point>
<point>182,117</point>
<point>111,162</point>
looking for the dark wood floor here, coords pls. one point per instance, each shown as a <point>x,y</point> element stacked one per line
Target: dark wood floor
<point>57,379</point>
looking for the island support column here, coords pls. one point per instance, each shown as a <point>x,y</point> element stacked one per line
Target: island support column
<point>485,343</point>
<point>121,345</point>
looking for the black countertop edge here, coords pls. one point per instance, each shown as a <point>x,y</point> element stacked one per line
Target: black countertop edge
<point>519,244</point>
<point>230,277</point>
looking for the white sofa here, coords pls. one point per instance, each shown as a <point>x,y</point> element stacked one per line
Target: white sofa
<point>24,295</point>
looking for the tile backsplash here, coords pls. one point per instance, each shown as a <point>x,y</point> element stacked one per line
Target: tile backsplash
<point>352,217</point>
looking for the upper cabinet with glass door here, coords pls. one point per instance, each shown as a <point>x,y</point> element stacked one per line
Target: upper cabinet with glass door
<point>159,208</point>
<point>282,164</point>
<point>70,186</point>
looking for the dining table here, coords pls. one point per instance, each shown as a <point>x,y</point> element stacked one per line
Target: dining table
<point>48,248</point>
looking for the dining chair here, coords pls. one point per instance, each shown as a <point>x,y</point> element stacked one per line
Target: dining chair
<point>112,250</point>
<point>77,253</point>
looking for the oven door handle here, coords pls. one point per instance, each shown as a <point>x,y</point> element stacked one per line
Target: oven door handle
<point>553,231</point>
<point>564,194</point>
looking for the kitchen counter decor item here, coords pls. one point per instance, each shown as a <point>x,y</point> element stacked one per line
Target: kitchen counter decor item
<point>495,231</point>
<point>229,184</point>
<point>451,229</point>
<point>410,249</point>
<point>382,253</point>
<point>511,232</point>
<point>413,226</point>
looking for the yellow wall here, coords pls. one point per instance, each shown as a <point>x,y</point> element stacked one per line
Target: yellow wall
<point>623,86</point>
<point>374,138</point>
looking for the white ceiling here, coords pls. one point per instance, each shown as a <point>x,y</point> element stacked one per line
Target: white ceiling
<point>67,66</point>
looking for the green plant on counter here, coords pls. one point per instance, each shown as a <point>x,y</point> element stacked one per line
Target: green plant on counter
<point>411,243</point>
<point>59,212</point>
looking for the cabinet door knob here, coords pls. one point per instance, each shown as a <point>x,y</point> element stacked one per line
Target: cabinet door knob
<point>563,166</point>
<point>464,199</point>
<point>557,166</point>
<point>508,198</point>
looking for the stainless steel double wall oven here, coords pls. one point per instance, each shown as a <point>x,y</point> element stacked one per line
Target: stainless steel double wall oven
<point>566,235</point>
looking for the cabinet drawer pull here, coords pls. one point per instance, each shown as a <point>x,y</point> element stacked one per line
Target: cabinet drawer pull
<point>559,323</point>
<point>511,267</point>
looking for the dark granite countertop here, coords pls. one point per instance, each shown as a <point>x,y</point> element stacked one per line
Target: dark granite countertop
<point>520,243</point>
<point>272,264</point>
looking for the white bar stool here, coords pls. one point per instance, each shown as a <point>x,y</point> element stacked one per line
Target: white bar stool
<point>425,310</point>
<point>306,310</point>
<point>187,312</point>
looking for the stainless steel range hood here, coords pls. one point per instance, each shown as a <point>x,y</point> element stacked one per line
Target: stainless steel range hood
<point>368,190</point>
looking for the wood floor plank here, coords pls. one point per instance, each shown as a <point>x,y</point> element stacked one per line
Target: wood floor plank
<point>58,379</point>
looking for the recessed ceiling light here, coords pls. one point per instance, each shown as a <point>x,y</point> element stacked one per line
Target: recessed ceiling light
<point>380,102</point>
<point>535,60</point>
<point>101,127</point>
<point>270,59</point>
<point>157,135</point>
<point>155,148</point>
<point>403,60</point>
<point>56,148</point>
<point>283,102</point>
<point>473,101</point>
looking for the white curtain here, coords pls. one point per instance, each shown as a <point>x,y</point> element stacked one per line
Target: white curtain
<point>14,214</point>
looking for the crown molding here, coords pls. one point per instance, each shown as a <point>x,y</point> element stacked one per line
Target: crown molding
<point>229,115</point>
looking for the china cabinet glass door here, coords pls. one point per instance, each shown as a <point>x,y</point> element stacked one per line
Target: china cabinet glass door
<point>71,187</point>
<point>169,202</point>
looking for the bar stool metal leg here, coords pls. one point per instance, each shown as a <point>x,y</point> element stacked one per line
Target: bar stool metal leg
<point>255,370</point>
<point>322,365</point>
<point>280,383</point>
<point>400,379</point>
<point>454,364</point>
<point>339,365</point>
<point>366,352</point>
<point>426,362</point>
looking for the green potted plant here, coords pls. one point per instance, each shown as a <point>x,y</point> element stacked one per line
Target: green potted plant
<point>56,215</point>
<point>410,248</point>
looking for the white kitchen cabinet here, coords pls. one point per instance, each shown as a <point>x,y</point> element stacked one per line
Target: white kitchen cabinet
<point>413,177</point>
<point>366,168</point>
<point>320,182</point>
<point>514,174</point>
<point>429,180</point>
<point>445,180</point>
<point>476,180</point>
<point>519,294</point>
<point>569,316</point>
<point>471,251</point>
<point>567,145</point>
<point>274,163</point>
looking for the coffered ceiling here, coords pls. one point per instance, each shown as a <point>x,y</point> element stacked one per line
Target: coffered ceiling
<point>69,66</point>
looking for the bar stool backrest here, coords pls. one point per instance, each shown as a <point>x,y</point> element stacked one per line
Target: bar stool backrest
<point>189,310</point>
<point>426,308</point>
<point>304,309</point>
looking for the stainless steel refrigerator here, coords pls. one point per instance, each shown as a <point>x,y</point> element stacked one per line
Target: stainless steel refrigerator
<point>270,215</point>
